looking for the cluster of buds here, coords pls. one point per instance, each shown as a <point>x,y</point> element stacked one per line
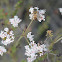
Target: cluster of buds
<point>33,50</point>
<point>2,50</point>
<point>49,33</point>
<point>37,14</point>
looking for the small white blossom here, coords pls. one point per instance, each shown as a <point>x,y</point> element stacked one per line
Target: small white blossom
<point>2,34</point>
<point>41,12</point>
<point>2,50</point>
<point>14,21</point>
<point>41,49</point>
<point>60,9</point>
<point>30,36</point>
<point>7,41</point>
<point>31,9</point>
<point>37,14</point>
<point>6,29</point>
<point>31,16</point>
<point>7,36</point>
<point>42,17</point>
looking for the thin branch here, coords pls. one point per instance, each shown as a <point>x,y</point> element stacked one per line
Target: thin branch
<point>28,26</point>
<point>26,39</point>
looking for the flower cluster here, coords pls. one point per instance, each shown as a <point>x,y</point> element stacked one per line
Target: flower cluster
<point>2,50</point>
<point>30,36</point>
<point>7,36</point>
<point>60,9</point>
<point>14,21</point>
<point>33,49</point>
<point>37,14</point>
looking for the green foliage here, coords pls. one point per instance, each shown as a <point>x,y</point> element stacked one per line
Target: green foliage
<point>18,4</point>
<point>24,60</point>
<point>59,59</point>
<point>2,15</point>
<point>13,51</point>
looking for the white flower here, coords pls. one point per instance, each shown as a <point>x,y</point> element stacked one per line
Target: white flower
<point>36,8</point>
<point>41,17</point>
<point>7,36</point>
<point>31,9</point>
<point>7,41</point>
<point>2,50</point>
<point>14,21</point>
<point>60,9</point>
<point>33,49</point>
<point>41,12</point>
<point>44,47</point>
<point>6,29</point>
<point>31,16</point>
<point>30,36</point>
<point>37,14</point>
<point>41,49</point>
<point>11,33</point>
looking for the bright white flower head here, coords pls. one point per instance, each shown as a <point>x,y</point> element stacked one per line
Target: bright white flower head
<point>37,14</point>
<point>14,21</point>
<point>2,50</point>
<point>7,36</point>
<point>7,41</point>
<point>6,29</point>
<point>31,16</point>
<point>31,9</point>
<point>41,17</point>
<point>2,35</point>
<point>30,36</point>
<point>41,49</point>
<point>33,49</point>
<point>60,9</point>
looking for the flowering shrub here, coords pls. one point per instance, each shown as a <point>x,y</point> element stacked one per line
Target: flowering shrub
<point>33,49</point>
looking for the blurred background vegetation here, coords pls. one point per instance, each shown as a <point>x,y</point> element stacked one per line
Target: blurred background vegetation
<point>9,8</point>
